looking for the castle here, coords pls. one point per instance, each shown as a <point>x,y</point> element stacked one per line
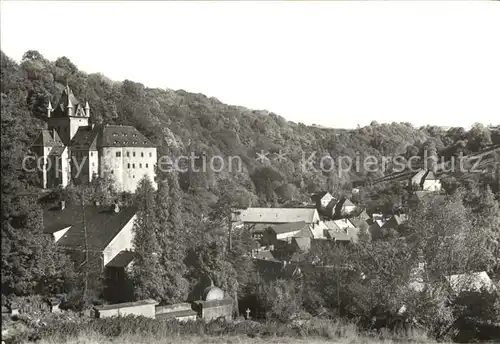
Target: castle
<point>74,149</point>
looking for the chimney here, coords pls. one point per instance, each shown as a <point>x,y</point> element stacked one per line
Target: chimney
<point>62,205</point>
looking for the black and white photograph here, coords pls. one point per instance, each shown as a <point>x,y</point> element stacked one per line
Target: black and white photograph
<point>240,172</point>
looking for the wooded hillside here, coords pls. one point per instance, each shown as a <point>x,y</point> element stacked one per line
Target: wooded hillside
<point>181,122</point>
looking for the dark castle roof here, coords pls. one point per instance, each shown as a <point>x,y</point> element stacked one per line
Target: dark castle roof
<point>85,138</point>
<point>57,150</point>
<point>48,138</point>
<point>109,136</point>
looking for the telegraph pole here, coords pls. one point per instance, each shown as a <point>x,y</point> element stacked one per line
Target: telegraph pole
<point>86,262</point>
<point>230,220</point>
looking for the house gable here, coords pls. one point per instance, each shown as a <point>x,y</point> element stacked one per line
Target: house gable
<point>60,233</point>
<point>122,242</point>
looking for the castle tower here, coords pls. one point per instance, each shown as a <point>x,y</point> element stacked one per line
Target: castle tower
<point>68,116</point>
<point>46,144</point>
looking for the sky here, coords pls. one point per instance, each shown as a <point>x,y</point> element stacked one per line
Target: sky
<point>336,64</point>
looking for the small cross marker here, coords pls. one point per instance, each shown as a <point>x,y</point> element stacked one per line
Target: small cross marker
<point>248,313</point>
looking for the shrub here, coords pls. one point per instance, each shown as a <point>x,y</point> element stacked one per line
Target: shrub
<point>280,299</point>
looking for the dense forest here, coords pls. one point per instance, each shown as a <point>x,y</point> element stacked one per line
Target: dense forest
<point>180,122</point>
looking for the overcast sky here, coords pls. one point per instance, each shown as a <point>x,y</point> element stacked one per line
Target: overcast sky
<point>337,64</point>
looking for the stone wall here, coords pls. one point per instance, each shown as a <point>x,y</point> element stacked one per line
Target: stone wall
<point>179,311</point>
<point>144,308</point>
<point>210,310</point>
<point>29,304</point>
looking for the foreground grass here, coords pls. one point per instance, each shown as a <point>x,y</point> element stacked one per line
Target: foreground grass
<point>65,328</point>
<point>93,338</point>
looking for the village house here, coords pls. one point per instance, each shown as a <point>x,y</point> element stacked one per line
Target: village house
<point>258,220</point>
<point>275,216</point>
<point>322,199</point>
<point>455,284</point>
<point>425,180</point>
<point>339,208</point>
<point>382,227</point>
<point>265,255</point>
<point>476,281</point>
<point>340,224</point>
<point>273,235</point>
<point>361,219</point>
<point>76,150</point>
<point>394,221</point>
<point>105,233</point>
<point>342,230</point>
<point>418,197</point>
<point>375,228</point>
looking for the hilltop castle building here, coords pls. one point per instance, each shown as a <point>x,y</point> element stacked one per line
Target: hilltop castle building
<point>76,150</point>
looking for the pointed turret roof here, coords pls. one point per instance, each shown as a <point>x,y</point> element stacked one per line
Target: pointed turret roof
<point>68,100</point>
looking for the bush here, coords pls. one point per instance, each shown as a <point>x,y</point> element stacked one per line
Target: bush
<point>281,300</point>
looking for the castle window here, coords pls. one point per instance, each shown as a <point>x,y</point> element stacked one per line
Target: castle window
<point>128,165</point>
<point>133,165</point>
<point>150,154</point>
<point>133,154</point>
<point>140,165</point>
<point>142,155</point>
<point>128,154</point>
<point>91,154</point>
<point>146,165</point>
<point>118,154</point>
